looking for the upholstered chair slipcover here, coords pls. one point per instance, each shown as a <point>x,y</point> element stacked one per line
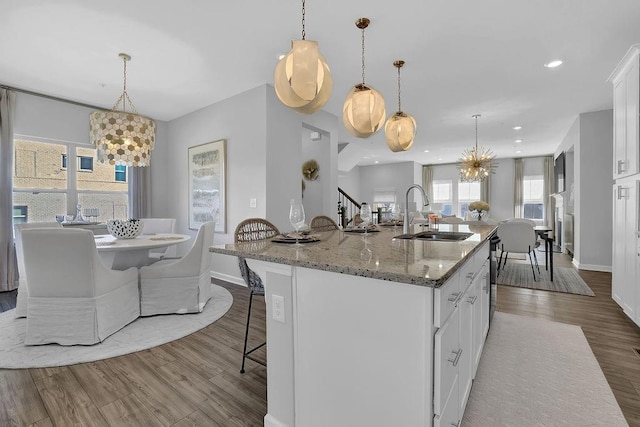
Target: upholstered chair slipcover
<point>518,237</point>
<point>160,225</point>
<point>73,297</point>
<point>22,301</point>
<point>178,286</point>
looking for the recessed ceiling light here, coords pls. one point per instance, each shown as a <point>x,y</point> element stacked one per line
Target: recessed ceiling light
<point>517,127</point>
<point>518,140</point>
<point>439,158</point>
<point>553,64</point>
<point>282,55</point>
<point>426,151</point>
<point>518,151</point>
<point>376,162</point>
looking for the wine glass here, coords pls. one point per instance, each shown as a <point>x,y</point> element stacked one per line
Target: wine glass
<point>395,214</point>
<point>296,218</point>
<point>365,216</point>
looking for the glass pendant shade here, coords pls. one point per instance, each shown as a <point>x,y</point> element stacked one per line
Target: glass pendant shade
<point>364,111</point>
<point>400,131</point>
<point>122,138</point>
<point>302,78</point>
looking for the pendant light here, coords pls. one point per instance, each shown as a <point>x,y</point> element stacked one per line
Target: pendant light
<point>121,137</point>
<point>363,113</point>
<point>400,129</point>
<point>477,163</point>
<point>302,78</point>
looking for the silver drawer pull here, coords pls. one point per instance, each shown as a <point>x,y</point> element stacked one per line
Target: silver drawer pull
<point>620,168</point>
<point>454,359</point>
<point>472,300</point>
<point>454,296</point>
<point>470,276</point>
<point>622,192</point>
<point>455,424</point>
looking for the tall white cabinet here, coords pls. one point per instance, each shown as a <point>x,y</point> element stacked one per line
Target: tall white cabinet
<point>625,286</point>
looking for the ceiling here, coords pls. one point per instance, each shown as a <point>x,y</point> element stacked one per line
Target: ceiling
<point>462,58</point>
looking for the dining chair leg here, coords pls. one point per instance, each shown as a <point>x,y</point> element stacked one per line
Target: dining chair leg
<point>246,334</point>
<point>536,258</point>
<point>506,255</point>
<point>532,269</point>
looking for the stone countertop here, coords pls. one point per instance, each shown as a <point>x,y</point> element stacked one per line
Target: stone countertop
<point>379,256</point>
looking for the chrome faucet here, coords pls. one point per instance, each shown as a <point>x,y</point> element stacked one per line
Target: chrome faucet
<point>425,202</point>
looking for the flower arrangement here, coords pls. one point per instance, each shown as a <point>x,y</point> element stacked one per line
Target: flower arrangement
<point>480,207</point>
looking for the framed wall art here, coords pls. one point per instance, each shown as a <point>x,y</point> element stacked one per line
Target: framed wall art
<point>207,177</point>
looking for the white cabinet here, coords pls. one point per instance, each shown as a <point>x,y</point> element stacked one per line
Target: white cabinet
<point>459,341</point>
<point>626,100</point>
<point>625,227</point>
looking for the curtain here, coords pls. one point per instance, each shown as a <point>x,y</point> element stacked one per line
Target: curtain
<point>427,181</point>
<point>8,264</point>
<point>548,183</point>
<point>518,188</point>
<point>485,190</point>
<point>139,192</point>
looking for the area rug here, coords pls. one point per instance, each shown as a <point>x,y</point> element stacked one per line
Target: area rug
<point>565,279</point>
<point>143,333</point>
<point>536,372</point>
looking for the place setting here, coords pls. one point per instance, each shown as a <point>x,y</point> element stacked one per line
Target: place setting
<point>365,227</point>
<point>302,233</point>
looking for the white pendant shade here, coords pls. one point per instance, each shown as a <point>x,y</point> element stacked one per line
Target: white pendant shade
<point>400,131</point>
<point>364,112</point>
<point>302,78</point>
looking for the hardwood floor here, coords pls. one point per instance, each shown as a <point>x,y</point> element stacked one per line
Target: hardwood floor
<point>195,381</point>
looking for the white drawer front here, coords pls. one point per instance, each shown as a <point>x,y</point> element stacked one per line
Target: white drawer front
<point>447,355</point>
<point>450,416</point>
<point>446,298</point>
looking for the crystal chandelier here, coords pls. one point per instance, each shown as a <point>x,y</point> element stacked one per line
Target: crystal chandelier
<point>477,163</point>
<point>400,129</point>
<point>363,113</point>
<point>302,78</point>
<point>121,137</point>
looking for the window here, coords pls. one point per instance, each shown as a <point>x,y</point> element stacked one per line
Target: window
<point>121,173</point>
<point>85,164</point>
<point>533,204</point>
<point>442,193</point>
<point>19,215</point>
<point>46,184</point>
<point>384,199</point>
<point>467,192</point>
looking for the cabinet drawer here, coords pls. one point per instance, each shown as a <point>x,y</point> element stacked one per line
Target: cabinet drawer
<point>481,255</point>
<point>447,354</point>
<point>446,298</point>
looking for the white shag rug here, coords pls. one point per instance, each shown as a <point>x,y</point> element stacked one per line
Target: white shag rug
<point>536,372</point>
<point>141,334</point>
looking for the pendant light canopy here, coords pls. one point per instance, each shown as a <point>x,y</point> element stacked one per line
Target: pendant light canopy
<point>121,137</point>
<point>476,164</point>
<point>363,113</point>
<point>302,78</point>
<point>400,129</point>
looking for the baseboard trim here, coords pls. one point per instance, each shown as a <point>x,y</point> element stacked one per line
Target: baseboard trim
<point>228,278</point>
<point>270,421</point>
<point>591,267</point>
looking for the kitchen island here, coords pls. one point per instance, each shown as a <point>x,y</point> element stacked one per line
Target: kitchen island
<point>373,331</point>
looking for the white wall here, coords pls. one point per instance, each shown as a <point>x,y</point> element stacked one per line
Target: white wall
<point>350,182</point>
<point>318,151</point>
<point>388,177</point>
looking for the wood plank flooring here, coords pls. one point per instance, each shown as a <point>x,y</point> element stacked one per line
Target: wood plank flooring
<point>195,381</point>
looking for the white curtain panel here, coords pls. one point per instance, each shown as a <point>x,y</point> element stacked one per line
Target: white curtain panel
<point>427,181</point>
<point>518,188</point>
<point>485,190</point>
<point>548,189</point>
<point>8,264</point>
<point>140,192</point>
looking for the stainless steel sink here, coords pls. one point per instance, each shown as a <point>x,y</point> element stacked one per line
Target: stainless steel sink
<point>436,235</point>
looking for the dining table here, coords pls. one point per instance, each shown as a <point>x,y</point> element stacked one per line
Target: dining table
<point>543,232</point>
<point>121,254</point>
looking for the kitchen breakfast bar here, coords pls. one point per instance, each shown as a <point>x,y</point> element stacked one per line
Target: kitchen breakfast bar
<point>377,330</point>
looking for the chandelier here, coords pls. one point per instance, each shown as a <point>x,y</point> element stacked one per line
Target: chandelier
<point>477,163</point>
<point>363,113</point>
<point>302,78</point>
<point>121,137</point>
<point>400,129</point>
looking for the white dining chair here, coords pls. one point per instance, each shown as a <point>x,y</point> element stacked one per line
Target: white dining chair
<point>160,225</point>
<point>518,237</point>
<point>178,286</point>
<point>22,300</point>
<point>73,297</point>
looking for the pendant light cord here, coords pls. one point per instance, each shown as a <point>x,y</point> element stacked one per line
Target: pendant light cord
<point>399,105</point>
<point>125,96</point>
<point>363,57</point>
<point>303,13</point>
